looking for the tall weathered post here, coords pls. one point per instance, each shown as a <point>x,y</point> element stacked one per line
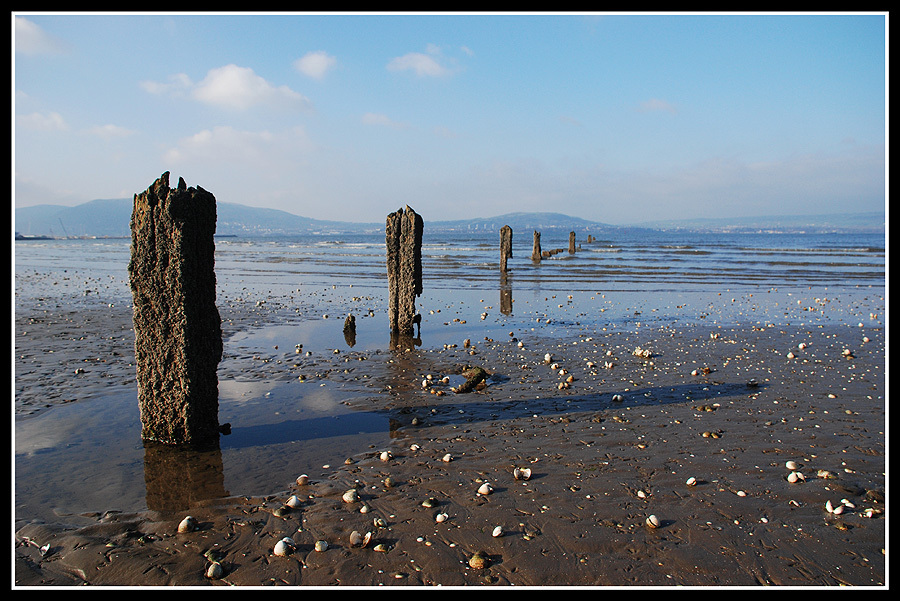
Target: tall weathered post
<point>403,238</point>
<point>571,243</point>
<point>536,248</point>
<point>177,327</point>
<point>505,246</point>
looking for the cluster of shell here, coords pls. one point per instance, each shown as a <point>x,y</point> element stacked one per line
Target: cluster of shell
<point>434,385</point>
<point>642,352</point>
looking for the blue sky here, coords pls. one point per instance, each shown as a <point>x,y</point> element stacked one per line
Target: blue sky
<point>612,117</point>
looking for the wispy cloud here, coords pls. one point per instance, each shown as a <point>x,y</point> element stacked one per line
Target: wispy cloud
<point>315,64</point>
<point>231,87</point>
<point>423,65</point>
<point>227,147</point>
<point>42,122</point>
<point>109,132</point>
<point>32,40</point>
<point>381,119</point>
<point>655,105</point>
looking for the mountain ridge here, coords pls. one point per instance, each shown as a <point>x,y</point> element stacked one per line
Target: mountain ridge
<point>112,217</point>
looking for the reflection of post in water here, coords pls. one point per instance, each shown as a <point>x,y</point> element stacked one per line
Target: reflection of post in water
<point>350,331</point>
<point>405,342</point>
<point>506,299</point>
<point>177,477</point>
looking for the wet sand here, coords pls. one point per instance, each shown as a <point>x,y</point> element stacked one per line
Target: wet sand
<point>726,406</point>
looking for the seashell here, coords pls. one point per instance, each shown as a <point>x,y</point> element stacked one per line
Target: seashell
<point>653,521</point>
<point>215,571</point>
<point>498,532</point>
<point>792,465</point>
<point>548,358</point>
<point>379,523</point>
<point>282,511</point>
<point>522,473</point>
<point>618,398</point>
<point>284,547</point>
<point>356,538</point>
<point>381,548</point>
<point>188,524</point>
<point>691,481</point>
<point>413,447</point>
<point>790,355</point>
<point>430,502</point>
<point>485,489</point>
<point>794,477</point>
<point>447,458</point>
<point>302,480</point>
<point>321,545</point>
<point>441,517</point>
<point>364,508</point>
<point>478,561</point>
<point>351,496</point>
<point>826,474</point>
<point>385,456</point>
<point>846,503</point>
<point>293,502</point>
<point>741,493</point>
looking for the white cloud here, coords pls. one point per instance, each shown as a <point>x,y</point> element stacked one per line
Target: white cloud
<point>315,64</point>
<point>381,119</point>
<point>240,88</point>
<point>231,87</point>
<point>109,132</point>
<point>42,122</point>
<point>32,40</point>
<point>418,63</point>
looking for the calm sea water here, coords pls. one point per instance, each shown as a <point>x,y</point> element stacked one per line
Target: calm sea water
<point>624,261</point>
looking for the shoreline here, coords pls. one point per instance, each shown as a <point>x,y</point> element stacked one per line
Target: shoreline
<point>600,466</point>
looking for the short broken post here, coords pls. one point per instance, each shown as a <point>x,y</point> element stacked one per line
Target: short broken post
<point>571,243</point>
<point>403,238</point>
<point>177,327</point>
<point>536,249</point>
<point>505,246</point>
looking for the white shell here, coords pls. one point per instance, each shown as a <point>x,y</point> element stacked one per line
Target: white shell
<point>321,545</point>
<point>441,517</point>
<point>691,481</point>
<point>522,473</point>
<point>293,502</point>
<point>792,465</point>
<point>385,456</point>
<point>653,521</point>
<point>447,458</point>
<point>360,540</point>
<point>284,547</point>
<point>485,489</point>
<point>795,477</point>
<point>828,507</point>
<point>498,531</point>
<point>351,496</point>
<point>302,480</point>
<point>215,571</point>
<point>188,524</point>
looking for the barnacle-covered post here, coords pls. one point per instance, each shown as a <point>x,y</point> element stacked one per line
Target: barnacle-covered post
<point>177,327</point>
<point>505,246</point>
<point>403,238</point>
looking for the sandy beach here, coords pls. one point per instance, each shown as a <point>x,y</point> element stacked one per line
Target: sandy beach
<point>687,421</point>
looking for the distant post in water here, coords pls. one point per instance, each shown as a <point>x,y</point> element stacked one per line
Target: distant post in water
<point>505,246</point>
<point>177,327</point>
<point>536,249</point>
<point>571,243</point>
<point>403,238</point>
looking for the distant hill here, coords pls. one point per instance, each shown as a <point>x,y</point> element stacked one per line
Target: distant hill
<point>112,218</point>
